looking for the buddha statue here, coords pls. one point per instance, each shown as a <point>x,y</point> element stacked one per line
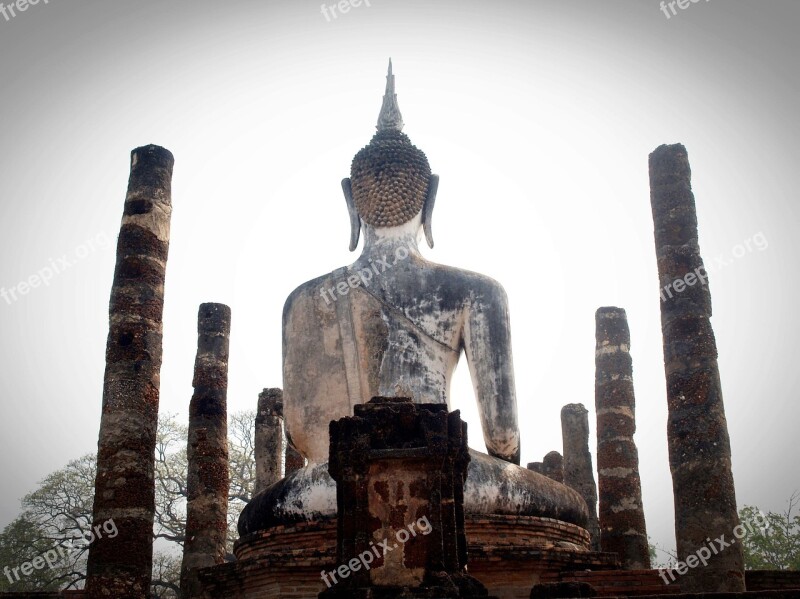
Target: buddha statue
<point>394,324</point>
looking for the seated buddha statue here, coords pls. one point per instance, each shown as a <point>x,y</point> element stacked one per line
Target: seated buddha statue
<point>394,324</point>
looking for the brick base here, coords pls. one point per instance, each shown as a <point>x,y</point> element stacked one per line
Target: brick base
<point>508,554</point>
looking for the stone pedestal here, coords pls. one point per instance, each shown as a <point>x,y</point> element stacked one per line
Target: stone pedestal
<point>400,470</point>
<point>508,554</point>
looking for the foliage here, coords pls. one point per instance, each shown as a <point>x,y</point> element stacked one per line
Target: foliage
<point>655,550</point>
<point>774,540</point>
<point>22,542</point>
<point>58,514</point>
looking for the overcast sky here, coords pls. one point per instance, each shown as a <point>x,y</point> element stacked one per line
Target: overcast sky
<point>539,117</point>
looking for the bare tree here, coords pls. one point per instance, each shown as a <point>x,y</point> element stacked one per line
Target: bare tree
<point>57,517</point>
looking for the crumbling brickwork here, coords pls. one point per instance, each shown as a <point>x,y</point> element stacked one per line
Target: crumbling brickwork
<point>400,469</point>
<point>622,524</point>
<point>268,438</point>
<point>697,431</point>
<point>578,471</point>
<point>207,450</point>
<point>120,567</point>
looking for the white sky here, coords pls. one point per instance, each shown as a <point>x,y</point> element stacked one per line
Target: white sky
<point>538,116</point>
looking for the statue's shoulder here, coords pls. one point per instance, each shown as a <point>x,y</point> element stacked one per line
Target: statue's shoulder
<point>309,292</point>
<point>468,284</point>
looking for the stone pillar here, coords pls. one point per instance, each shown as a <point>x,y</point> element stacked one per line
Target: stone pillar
<point>536,467</point>
<point>697,432</point>
<point>622,525</point>
<point>399,469</point>
<point>552,466</point>
<point>208,480</point>
<point>269,438</point>
<point>120,567</point>
<point>578,473</point>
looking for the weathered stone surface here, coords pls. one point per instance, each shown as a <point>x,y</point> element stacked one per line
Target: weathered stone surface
<point>697,432</point>
<point>578,471</point>
<point>622,524</point>
<point>120,567</point>
<point>400,470</point>
<point>207,450</point>
<point>310,494</point>
<point>268,438</point>
<point>395,324</point>
<point>552,466</point>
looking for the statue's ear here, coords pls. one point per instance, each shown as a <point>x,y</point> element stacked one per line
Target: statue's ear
<point>355,220</point>
<point>427,209</point>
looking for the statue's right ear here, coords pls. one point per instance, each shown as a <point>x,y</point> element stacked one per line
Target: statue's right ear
<point>427,210</point>
<point>355,219</point>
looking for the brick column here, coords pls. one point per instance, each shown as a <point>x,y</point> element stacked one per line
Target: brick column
<point>697,431</point>
<point>120,567</point>
<point>578,472</point>
<point>622,525</point>
<point>208,480</point>
<point>552,466</point>
<point>269,438</point>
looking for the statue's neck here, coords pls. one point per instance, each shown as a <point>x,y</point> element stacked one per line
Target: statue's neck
<point>390,241</point>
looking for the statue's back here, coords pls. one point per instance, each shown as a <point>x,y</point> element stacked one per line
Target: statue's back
<point>399,334</point>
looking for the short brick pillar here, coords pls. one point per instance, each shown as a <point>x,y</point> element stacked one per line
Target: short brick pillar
<point>399,469</point>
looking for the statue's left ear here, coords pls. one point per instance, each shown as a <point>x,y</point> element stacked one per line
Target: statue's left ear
<point>427,209</point>
<point>355,220</point>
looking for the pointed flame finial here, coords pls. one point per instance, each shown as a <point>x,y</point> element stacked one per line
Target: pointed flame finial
<point>390,118</point>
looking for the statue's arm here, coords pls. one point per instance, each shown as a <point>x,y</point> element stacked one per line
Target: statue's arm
<point>487,345</point>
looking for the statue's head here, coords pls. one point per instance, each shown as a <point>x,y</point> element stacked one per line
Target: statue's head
<point>390,179</point>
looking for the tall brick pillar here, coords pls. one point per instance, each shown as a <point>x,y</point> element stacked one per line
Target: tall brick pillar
<point>120,567</point>
<point>622,525</point>
<point>697,432</point>
<point>578,473</point>
<point>207,450</point>
<point>269,438</point>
